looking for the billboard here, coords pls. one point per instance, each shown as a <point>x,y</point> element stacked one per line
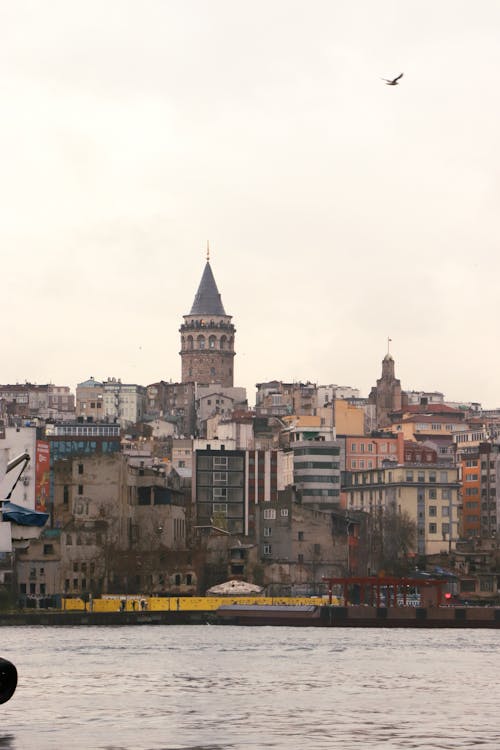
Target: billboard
<point>42,475</point>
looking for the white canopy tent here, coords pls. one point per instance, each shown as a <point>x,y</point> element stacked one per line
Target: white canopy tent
<point>235,588</point>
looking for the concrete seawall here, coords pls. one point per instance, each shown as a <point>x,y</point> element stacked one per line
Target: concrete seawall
<point>343,617</point>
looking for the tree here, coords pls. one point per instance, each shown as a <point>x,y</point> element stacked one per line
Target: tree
<point>393,538</point>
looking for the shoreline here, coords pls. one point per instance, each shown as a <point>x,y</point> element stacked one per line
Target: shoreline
<point>241,615</point>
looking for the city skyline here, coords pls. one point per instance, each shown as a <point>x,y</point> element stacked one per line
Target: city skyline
<point>340,211</point>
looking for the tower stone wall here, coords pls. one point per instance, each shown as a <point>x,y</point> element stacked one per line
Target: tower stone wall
<point>207,337</point>
<point>387,394</point>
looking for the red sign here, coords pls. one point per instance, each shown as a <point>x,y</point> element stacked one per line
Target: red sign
<point>42,475</point>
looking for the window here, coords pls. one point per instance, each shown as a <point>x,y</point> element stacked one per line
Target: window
<point>220,477</point>
<point>467,586</point>
<point>268,531</point>
<point>267,549</point>
<point>432,510</point>
<point>284,512</point>
<point>269,514</point>
<point>409,476</point>
<point>432,528</point>
<point>300,559</point>
<point>48,549</point>
<point>446,494</point>
<point>80,489</point>
<point>65,494</point>
<point>353,447</point>
<point>219,492</point>
<point>445,511</point>
<point>220,508</point>
<point>432,476</point>
<point>432,494</point>
<point>80,468</point>
<point>300,536</point>
<point>220,461</point>
<point>445,528</point>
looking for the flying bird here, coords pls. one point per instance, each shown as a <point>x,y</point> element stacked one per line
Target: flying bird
<point>392,81</point>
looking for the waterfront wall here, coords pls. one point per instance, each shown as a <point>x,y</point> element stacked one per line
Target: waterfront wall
<point>177,604</point>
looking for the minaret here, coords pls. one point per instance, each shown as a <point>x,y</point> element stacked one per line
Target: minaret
<point>207,336</point>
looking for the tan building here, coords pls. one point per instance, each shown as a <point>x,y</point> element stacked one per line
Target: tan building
<point>349,419</point>
<point>428,493</point>
<point>89,400</point>
<point>37,401</point>
<point>117,528</point>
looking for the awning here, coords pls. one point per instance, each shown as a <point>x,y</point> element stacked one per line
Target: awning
<point>234,588</point>
<point>23,516</point>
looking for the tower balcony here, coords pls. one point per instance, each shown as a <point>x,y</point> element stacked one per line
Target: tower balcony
<point>205,323</point>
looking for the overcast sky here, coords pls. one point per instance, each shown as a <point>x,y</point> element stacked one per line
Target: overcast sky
<point>339,210</point>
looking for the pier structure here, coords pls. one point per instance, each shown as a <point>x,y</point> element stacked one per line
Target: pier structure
<point>391,590</point>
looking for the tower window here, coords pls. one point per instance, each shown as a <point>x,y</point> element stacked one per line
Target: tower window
<point>201,342</point>
<point>211,342</point>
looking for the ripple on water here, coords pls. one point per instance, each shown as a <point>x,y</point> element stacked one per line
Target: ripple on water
<point>198,688</point>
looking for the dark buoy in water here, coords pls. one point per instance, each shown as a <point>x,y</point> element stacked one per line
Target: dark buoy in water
<point>8,680</point>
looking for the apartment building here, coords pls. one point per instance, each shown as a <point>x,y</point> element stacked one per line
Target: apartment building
<point>428,493</point>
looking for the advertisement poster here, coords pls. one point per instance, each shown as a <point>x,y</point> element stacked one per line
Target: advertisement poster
<point>42,475</point>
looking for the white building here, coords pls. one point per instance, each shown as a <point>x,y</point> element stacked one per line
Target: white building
<point>123,402</point>
<point>326,393</point>
<point>20,440</point>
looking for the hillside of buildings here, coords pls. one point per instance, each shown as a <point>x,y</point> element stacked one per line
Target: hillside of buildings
<point>170,488</point>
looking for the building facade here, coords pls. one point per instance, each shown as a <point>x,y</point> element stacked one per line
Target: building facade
<point>428,493</point>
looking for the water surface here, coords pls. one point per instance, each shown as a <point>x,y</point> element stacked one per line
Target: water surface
<point>156,687</point>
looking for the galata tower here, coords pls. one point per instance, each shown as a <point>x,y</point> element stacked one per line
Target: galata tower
<point>207,337</point>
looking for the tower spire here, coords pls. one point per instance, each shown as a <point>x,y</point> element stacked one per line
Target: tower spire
<point>208,252</point>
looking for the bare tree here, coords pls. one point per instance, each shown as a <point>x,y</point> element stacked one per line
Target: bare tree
<point>393,538</point>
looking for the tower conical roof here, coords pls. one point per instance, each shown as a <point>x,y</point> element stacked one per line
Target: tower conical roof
<point>207,300</point>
